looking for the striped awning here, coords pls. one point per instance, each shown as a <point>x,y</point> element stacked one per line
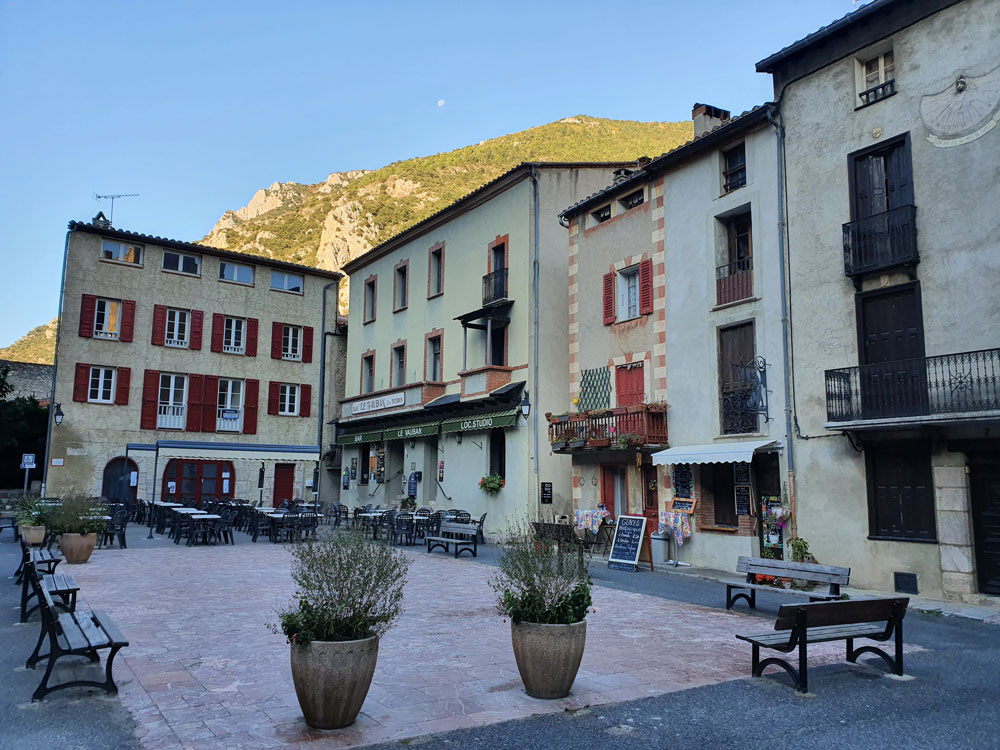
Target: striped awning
<point>411,431</point>
<point>474,422</point>
<point>716,453</point>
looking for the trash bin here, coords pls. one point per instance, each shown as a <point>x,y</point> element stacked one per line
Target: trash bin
<point>660,543</point>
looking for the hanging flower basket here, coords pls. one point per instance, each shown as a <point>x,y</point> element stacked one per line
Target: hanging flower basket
<point>491,483</point>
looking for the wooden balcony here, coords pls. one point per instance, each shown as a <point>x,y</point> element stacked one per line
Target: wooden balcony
<point>621,428</point>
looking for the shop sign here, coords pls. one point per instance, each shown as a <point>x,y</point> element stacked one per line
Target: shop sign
<point>480,422</point>
<point>411,431</point>
<point>377,403</point>
<point>230,413</point>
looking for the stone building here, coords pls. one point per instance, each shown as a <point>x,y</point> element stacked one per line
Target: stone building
<point>30,380</point>
<point>185,372</point>
<point>890,150</point>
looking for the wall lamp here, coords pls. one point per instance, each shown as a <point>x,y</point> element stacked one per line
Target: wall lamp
<point>458,438</point>
<point>59,416</point>
<point>413,443</point>
<point>525,406</point>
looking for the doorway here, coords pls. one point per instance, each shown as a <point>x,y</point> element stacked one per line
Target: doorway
<point>985,489</point>
<point>613,489</point>
<point>651,499</point>
<point>284,483</point>
<point>117,484</point>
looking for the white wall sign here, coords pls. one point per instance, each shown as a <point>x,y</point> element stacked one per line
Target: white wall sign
<point>378,402</point>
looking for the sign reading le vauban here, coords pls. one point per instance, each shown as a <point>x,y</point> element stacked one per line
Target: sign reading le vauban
<point>377,403</point>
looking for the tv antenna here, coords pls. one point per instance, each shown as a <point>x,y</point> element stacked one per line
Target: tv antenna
<point>111,218</point>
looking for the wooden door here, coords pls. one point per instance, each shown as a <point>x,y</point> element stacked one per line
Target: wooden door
<point>893,372</point>
<point>900,491</point>
<point>985,487</point>
<point>651,499</point>
<point>609,476</point>
<point>117,482</point>
<point>630,386</point>
<point>284,483</point>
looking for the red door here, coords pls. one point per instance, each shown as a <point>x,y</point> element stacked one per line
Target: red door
<point>651,499</point>
<point>192,482</point>
<point>629,384</point>
<point>284,483</point>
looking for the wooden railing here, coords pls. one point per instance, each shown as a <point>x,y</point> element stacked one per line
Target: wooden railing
<point>616,428</point>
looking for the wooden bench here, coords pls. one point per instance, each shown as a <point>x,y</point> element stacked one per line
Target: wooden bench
<point>801,624</point>
<point>57,584</point>
<point>8,522</point>
<point>75,634</point>
<point>45,560</point>
<point>462,535</point>
<point>760,566</point>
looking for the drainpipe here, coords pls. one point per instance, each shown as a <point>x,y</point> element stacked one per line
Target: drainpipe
<point>322,387</point>
<point>534,376</point>
<point>55,369</point>
<point>779,133</point>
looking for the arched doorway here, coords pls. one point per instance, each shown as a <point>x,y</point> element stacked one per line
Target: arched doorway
<point>117,484</point>
<point>191,481</point>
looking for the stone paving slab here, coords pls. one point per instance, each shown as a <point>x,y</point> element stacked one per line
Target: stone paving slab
<point>204,671</point>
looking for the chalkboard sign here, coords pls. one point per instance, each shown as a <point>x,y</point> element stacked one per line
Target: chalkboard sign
<point>629,535</point>
<point>683,480</point>
<point>741,473</point>
<point>743,501</point>
<point>547,493</point>
<point>686,506</point>
<point>380,465</point>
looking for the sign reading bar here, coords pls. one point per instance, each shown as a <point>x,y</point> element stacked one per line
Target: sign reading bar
<point>625,547</point>
<point>377,403</point>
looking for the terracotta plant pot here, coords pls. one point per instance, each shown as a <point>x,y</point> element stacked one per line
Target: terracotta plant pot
<point>332,680</point>
<point>76,548</point>
<point>33,535</point>
<point>548,656</point>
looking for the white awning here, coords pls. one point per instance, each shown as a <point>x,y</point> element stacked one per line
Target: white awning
<point>238,452</point>
<point>716,453</point>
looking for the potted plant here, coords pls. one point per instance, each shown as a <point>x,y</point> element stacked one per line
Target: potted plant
<point>546,597</point>
<point>77,521</point>
<point>349,592</point>
<point>28,515</point>
<point>491,483</point>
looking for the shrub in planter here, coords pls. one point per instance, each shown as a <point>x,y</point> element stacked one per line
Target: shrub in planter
<point>546,594</point>
<point>349,592</point>
<point>77,521</point>
<point>28,514</point>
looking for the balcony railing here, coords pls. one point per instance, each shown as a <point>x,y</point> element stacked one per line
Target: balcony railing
<point>734,281</point>
<point>232,348</point>
<point>877,93</point>
<point>229,420</point>
<point>612,429</point>
<point>963,383</point>
<point>495,286</point>
<point>169,417</point>
<point>881,241</point>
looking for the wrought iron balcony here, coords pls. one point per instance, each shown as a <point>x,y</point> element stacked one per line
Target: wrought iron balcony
<point>734,281</point>
<point>877,93</point>
<point>953,384</point>
<point>881,241</point>
<point>495,286</point>
<point>609,429</point>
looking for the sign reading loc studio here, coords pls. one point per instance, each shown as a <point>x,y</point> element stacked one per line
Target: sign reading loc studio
<point>378,402</point>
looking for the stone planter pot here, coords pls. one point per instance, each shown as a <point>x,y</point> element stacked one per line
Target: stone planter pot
<point>548,656</point>
<point>33,535</point>
<point>76,548</point>
<point>332,680</point>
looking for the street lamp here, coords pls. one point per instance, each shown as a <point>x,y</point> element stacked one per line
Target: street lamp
<point>59,415</point>
<point>525,406</point>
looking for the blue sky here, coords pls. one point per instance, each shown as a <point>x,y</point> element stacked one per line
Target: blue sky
<point>195,105</point>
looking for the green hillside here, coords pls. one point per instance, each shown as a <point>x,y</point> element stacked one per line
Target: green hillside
<point>38,346</point>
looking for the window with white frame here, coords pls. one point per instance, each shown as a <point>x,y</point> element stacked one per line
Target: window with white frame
<point>288,400</point>
<point>234,335</point>
<point>107,318</point>
<point>286,282</point>
<point>170,404</point>
<point>235,272</point>
<point>291,343</point>
<point>102,385</point>
<point>121,252</point>
<point>182,263</point>
<point>177,328</point>
<point>628,293</point>
<point>876,78</point>
<point>229,417</point>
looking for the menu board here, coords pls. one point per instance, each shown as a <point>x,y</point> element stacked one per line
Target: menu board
<point>546,493</point>
<point>627,542</point>
<point>683,480</point>
<point>743,503</point>
<point>741,473</point>
<point>380,465</point>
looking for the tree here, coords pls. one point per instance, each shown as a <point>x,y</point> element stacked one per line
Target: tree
<point>23,422</point>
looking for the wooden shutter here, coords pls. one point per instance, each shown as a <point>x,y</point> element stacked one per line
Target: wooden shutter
<point>276,331</point>
<point>196,395</point>
<point>150,397</point>
<point>272,397</point>
<point>251,347</point>
<point>124,381</point>
<point>646,287</point>
<point>251,395</point>
<point>307,344</point>
<point>305,400</point>
<point>81,382</point>
<point>128,321</point>
<point>899,176</point>
<point>159,325</point>
<point>609,298</point>
<point>218,328</point>
<point>210,404</point>
<point>88,305</point>
<point>197,326</point>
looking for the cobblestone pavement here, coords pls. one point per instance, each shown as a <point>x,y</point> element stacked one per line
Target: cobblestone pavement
<point>204,671</point>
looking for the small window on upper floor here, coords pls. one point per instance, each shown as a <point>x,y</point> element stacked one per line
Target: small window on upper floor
<point>876,78</point>
<point>121,252</point>
<point>628,293</point>
<point>435,272</point>
<point>734,168</point>
<point>235,272</point>
<point>371,291</point>
<point>182,263</point>
<point>368,373</point>
<point>107,318</point>
<point>601,215</point>
<point>632,200</point>
<point>400,287</point>
<point>286,282</point>
<point>176,334</point>
<point>291,343</point>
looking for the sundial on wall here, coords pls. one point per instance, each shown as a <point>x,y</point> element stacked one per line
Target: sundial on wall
<point>966,110</point>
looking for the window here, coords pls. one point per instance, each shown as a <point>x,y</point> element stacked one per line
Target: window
<point>434,359</point>
<point>364,458</point>
<point>497,354</point>
<point>734,274</point>
<point>718,490</point>
<point>288,400</point>
<point>170,408</point>
<point>235,272</point>
<point>734,171</point>
<point>400,286</point>
<point>628,293</point>
<point>107,319</point>
<point>900,492</point>
<point>177,328</point>
<point>229,417</point>
<point>371,292</point>
<point>632,200</point>
<point>602,214</point>
<point>739,237</point>
<point>182,263</point>
<point>435,271</point>
<point>291,343</point>
<point>368,373</point>
<point>286,282</point>
<point>121,252</point>
<point>233,335</point>
<point>498,451</point>
<point>738,393</point>
<point>102,385</point>
<point>876,78</point>
<point>398,366</point>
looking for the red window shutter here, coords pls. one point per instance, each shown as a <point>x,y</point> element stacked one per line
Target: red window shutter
<point>124,381</point>
<point>609,298</point>
<point>251,348</point>
<point>276,331</point>
<point>196,393</point>
<point>307,344</point>
<point>159,325</point>
<point>197,325</point>
<point>251,395</point>
<point>150,398</point>
<point>81,382</point>
<point>646,287</point>
<point>128,320</point>
<point>210,404</point>
<point>272,397</point>
<point>218,328</point>
<point>87,307</point>
<point>305,400</point>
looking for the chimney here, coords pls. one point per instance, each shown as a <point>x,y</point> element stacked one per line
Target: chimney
<point>622,174</point>
<point>706,118</point>
<point>101,221</point>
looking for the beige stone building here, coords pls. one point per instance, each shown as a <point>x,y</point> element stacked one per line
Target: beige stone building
<point>185,372</point>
